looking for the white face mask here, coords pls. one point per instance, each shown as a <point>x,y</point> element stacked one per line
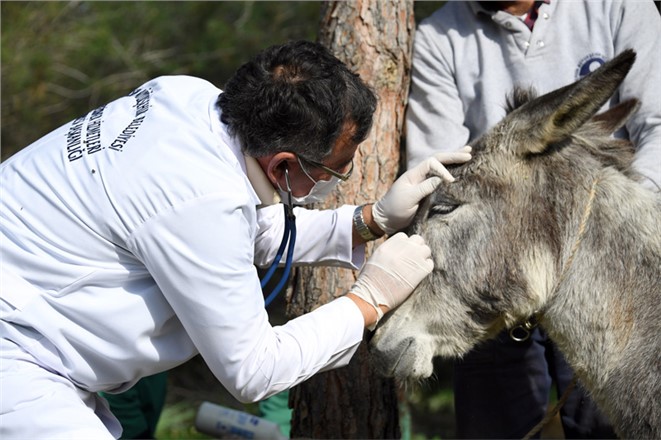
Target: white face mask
<point>320,190</point>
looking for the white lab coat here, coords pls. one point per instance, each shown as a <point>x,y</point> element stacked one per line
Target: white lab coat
<point>129,243</point>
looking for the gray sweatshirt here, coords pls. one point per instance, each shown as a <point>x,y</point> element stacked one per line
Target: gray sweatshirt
<point>466,59</point>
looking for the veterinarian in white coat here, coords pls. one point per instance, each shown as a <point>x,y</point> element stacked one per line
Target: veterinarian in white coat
<point>130,238</point>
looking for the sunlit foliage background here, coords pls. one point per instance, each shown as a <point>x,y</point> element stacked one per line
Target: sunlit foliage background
<point>62,59</point>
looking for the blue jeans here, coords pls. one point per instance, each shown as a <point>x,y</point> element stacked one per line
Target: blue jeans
<point>502,388</point>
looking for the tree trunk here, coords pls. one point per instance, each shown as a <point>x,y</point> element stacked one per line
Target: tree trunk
<point>374,38</point>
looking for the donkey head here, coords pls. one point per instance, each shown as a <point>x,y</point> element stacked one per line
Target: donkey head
<point>499,233</point>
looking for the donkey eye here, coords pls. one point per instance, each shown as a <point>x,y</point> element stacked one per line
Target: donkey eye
<point>442,209</point>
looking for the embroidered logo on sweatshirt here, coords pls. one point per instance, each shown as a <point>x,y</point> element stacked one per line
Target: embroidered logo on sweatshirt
<point>589,64</point>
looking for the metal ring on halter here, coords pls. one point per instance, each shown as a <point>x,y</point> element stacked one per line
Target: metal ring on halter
<point>288,238</point>
<point>519,333</point>
<point>522,332</point>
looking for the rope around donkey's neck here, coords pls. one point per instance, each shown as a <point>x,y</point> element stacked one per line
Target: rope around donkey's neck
<point>568,263</point>
<point>547,418</point>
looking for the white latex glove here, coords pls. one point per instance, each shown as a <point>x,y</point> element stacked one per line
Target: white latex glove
<point>391,274</point>
<point>397,208</point>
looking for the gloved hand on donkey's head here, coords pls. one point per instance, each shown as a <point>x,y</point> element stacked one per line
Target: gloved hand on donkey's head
<point>392,273</point>
<point>396,209</point>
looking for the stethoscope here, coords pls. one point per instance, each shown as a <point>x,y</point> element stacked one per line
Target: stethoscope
<point>289,236</point>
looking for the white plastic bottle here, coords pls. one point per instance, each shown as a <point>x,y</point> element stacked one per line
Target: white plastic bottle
<point>222,422</point>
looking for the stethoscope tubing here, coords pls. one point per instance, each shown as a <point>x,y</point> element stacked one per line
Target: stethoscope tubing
<point>288,238</point>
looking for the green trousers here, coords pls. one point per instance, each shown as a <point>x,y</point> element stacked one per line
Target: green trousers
<point>139,407</point>
<point>276,409</point>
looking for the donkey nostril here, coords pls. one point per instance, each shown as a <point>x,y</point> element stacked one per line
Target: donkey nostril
<point>387,357</point>
<point>401,348</point>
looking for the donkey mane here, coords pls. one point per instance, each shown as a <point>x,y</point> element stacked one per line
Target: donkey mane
<point>519,96</point>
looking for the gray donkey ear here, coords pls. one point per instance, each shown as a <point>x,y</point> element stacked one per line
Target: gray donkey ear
<point>615,117</point>
<point>555,116</point>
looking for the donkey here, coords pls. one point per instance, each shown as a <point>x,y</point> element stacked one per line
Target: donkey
<point>546,221</point>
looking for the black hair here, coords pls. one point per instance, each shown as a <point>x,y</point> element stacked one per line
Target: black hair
<point>295,97</point>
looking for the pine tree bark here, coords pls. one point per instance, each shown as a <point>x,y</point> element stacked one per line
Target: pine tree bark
<point>374,38</point>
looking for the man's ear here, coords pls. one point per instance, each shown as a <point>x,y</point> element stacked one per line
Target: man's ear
<point>274,166</point>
